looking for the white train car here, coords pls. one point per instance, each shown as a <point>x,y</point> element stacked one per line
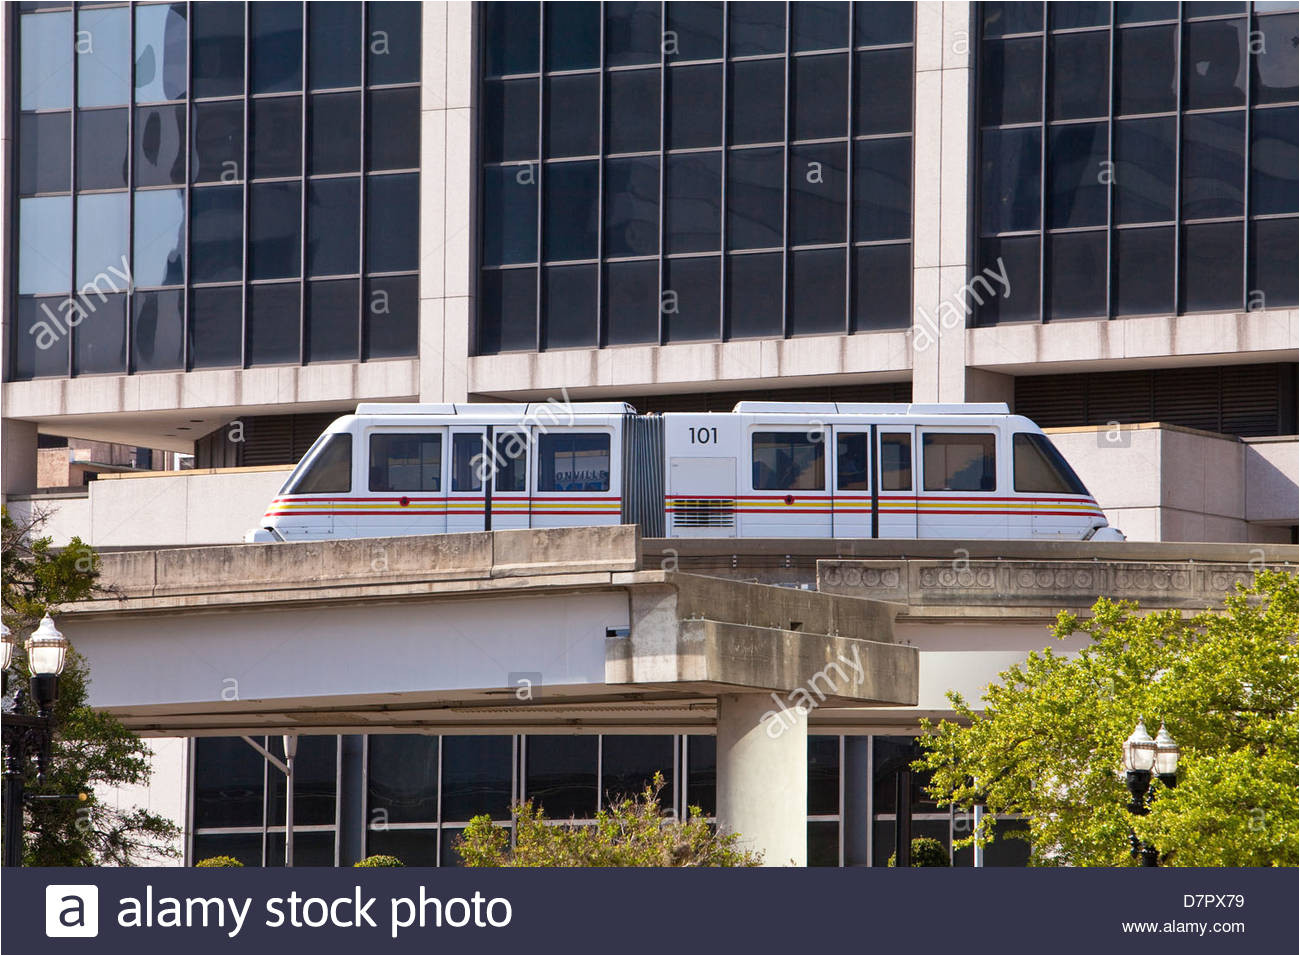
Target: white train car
<point>764,470</point>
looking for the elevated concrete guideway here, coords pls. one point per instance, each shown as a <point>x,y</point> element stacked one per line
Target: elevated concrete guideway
<point>594,630</point>
<point>560,629</point>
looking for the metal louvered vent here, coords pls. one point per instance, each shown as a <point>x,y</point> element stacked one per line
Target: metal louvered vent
<point>704,513</point>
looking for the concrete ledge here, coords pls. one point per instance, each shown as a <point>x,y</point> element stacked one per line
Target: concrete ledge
<point>972,589</point>
<point>739,657</point>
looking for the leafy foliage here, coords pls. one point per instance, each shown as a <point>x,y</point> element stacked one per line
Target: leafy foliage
<point>632,831</point>
<point>379,859</point>
<point>90,749</point>
<point>1047,743</point>
<point>218,861</point>
<point>926,851</point>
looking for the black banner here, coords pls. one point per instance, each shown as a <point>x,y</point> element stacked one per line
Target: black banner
<point>320,911</point>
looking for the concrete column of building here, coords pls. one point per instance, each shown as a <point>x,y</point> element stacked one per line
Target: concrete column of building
<point>447,253</point>
<point>941,198</point>
<point>18,448</point>
<point>763,776</point>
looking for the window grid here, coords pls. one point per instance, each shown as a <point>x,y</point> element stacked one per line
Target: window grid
<point>64,352</point>
<point>1251,297</point>
<point>601,328</point>
<point>440,825</point>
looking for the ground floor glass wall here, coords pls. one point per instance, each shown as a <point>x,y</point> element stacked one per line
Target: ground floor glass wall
<point>411,795</point>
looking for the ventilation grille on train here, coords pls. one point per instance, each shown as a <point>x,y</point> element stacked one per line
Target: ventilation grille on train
<point>704,513</point>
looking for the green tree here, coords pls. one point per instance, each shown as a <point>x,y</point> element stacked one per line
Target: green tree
<point>1047,743</point>
<point>90,749</point>
<point>631,831</point>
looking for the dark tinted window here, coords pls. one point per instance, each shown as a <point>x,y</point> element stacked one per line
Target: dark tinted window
<point>696,29</point>
<point>819,91</point>
<point>100,345</point>
<point>882,189</point>
<point>510,466</point>
<point>476,777</point>
<point>158,330</point>
<point>331,320</point>
<point>330,472</point>
<point>333,226</point>
<point>789,461</point>
<point>334,133</point>
<point>1144,271</point>
<point>216,323</point>
<point>275,137</point>
<point>1010,174</point>
<point>632,111</point>
<point>393,45</point>
<point>693,216</point>
<point>386,111</point>
<point>756,27</point>
<point>217,51</point>
<point>573,462</point>
<point>274,217</point>
<point>959,462</point>
<point>1011,85</point>
<point>402,778</point>
<point>1039,467</point>
<point>631,307</point>
<point>218,149</point>
<point>274,324</point>
<point>572,36</point>
<point>895,462</point>
<point>391,311</point>
<point>883,92</point>
<point>632,33</point>
<point>1144,170</point>
<point>101,149</point>
<point>217,234</point>
<point>45,152</point>
<point>631,206</point>
<point>1076,275</point>
<point>228,784</point>
<point>160,146</point>
<point>572,115</point>
<point>334,45</point>
<point>851,469</point>
<point>756,101</point>
<point>508,310</point>
<point>817,290</point>
<point>691,299</point>
<point>509,214</point>
<point>569,306</point>
<point>818,193</point>
<point>276,58</point>
<point>392,222</point>
<point>754,295</point>
<point>570,210</point>
<point>694,106</point>
<point>630,761</point>
<point>468,464</point>
<point>882,287</point>
<point>405,462</point>
<point>755,188</point>
<point>561,775</point>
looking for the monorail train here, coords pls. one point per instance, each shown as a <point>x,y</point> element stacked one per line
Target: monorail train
<point>764,470</point>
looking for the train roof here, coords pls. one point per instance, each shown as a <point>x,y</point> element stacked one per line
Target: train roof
<point>494,408</point>
<point>873,408</point>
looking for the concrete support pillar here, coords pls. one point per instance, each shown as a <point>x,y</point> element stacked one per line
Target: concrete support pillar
<point>941,249</point>
<point>18,447</point>
<point>448,267</point>
<point>763,776</point>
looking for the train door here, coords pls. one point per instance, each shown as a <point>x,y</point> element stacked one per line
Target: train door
<point>852,491</point>
<point>405,483</point>
<point>470,467</point>
<point>509,502</point>
<point>896,481</point>
<point>576,478</point>
<point>788,475</point>
<point>959,483</point>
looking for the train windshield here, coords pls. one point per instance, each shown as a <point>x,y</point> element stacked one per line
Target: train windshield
<point>1041,468</point>
<point>329,472</point>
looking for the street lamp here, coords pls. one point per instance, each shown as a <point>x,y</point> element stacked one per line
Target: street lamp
<point>27,734</point>
<point>1144,754</point>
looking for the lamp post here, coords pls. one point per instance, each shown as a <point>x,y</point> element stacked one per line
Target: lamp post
<point>1145,756</point>
<point>27,734</point>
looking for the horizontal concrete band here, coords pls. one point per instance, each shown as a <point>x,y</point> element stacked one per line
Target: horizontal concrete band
<point>1006,589</point>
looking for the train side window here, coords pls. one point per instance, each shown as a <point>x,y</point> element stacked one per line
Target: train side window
<point>851,461</point>
<point>1040,467</point>
<point>402,462</point>
<point>959,462</point>
<point>467,462</point>
<point>511,465</point>
<point>896,462</point>
<point>331,471</point>
<point>573,462</point>
<point>789,461</point>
